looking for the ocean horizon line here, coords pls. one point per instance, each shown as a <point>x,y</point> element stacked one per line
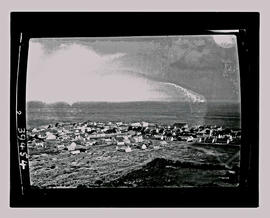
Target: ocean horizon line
<point>122,102</point>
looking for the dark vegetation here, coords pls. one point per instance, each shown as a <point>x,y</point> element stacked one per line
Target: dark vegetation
<point>176,164</point>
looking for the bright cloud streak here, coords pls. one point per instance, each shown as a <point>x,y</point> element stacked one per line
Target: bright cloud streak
<point>225,41</point>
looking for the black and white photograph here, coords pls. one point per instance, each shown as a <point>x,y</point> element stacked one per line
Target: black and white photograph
<point>134,112</point>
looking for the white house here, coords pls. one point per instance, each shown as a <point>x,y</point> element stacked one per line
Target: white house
<point>135,124</point>
<point>190,139</point>
<point>91,143</point>
<point>144,147</point>
<point>120,143</point>
<point>162,137</point>
<point>127,141</point>
<point>41,144</point>
<point>75,152</point>
<point>128,149</point>
<point>61,146</point>
<point>138,139</point>
<point>145,124</point>
<point>72,146</point>
<point>34,130</point>
<point>83,129</point>
<point>119,123</point>
<point>51,137</point>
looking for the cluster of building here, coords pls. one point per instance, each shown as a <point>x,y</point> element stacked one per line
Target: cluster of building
<point>78,137</point>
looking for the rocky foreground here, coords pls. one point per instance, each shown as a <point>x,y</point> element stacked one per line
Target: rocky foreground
<point>172,165</point>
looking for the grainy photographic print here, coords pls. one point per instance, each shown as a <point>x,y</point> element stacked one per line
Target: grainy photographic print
<point>133,112</point>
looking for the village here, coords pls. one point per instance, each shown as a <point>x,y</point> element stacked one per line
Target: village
<point>79,137</point>
<point>101,154</point>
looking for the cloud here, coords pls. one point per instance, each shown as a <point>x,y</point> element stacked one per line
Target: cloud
<point>74,72</point>
<point>225,41</point>
<point>64,73</point>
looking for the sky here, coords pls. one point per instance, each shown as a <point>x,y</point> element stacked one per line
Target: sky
<point>176,68</point>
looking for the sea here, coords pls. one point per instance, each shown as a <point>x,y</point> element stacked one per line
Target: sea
<point>226,114</point>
